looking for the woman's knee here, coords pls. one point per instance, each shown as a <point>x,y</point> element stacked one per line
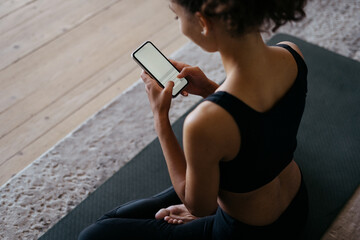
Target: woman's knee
<point>92,232</point>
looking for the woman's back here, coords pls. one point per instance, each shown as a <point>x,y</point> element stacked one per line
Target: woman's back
<point>261,180</point>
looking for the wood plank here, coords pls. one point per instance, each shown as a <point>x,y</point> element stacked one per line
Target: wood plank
<point>96,61</point>
<point>32,27</point>
<point>40,22</point>
<point>50,138</point>
<point>28,12</point>
<point>54,90</point>
<point>9,6</point>
<point>66,62</point>
<point>42,120</point>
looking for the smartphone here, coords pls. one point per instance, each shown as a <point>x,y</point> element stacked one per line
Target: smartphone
<point>158,66</point>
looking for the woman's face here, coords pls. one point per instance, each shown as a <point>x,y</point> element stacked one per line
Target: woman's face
<point>186,19</point>
<point>192,26</point>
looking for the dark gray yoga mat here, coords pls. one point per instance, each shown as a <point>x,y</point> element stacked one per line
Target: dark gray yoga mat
<point>328,150</point>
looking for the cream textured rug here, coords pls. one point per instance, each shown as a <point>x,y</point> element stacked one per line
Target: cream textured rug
<point>40,195</point>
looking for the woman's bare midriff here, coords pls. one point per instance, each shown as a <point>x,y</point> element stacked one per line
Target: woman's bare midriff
<point>264,205</point>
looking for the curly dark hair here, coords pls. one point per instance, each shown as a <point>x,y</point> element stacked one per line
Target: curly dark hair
<point>241,16</point>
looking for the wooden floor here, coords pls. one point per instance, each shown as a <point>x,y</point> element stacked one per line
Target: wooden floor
<point>62,61</point>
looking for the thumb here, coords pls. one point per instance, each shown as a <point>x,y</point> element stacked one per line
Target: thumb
<point>169,85</point>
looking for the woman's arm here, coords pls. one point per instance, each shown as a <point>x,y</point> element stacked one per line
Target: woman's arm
<point>199,84</point>
<point>174,155</point>
<point>160,101</point>
<point>210,136</point>
<point>195,172</point>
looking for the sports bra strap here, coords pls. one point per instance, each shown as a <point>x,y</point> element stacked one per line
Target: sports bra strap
<point>298,58</point>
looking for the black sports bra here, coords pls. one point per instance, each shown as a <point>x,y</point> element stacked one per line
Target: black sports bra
<point>268,140</point>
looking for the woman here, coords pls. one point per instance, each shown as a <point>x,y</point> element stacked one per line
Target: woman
<point>236,177</point>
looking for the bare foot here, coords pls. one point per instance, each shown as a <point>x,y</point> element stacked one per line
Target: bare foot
<point>176,214</point>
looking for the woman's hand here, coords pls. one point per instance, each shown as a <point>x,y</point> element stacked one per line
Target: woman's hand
<point>176,214</point>
<point>160,98</point>
<point>199,84</point>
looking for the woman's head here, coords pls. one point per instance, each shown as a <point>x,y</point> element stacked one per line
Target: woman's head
<point>242,16</point>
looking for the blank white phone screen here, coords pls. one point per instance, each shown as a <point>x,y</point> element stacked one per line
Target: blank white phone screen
<point>159,67</point>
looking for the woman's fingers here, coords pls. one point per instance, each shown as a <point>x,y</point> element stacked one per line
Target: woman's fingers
<point>189,71</point>
<point>169,86</point>
<point>179,65</point>
<point>175,63</point>
<point>150,83</point>
<point>160,98</point>
<point>184,72</point>
<point>165,214</point>
<point>184,93</point>
<point>162,213</point>
<point>144,76</point>
<point>148,80</point>
<point>173,220</point>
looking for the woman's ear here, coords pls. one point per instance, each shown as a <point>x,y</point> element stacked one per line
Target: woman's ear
<point>204,23</point>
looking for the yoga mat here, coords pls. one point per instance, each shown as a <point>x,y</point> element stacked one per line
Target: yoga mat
<point>328,150</point>
<point>143,176</point>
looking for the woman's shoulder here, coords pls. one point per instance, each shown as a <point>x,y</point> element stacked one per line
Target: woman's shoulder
<point>204,114</point>
<point>293,46</point>
<point>212,125</point>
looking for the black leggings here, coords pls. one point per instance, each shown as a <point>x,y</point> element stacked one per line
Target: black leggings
<point>135,220</point>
